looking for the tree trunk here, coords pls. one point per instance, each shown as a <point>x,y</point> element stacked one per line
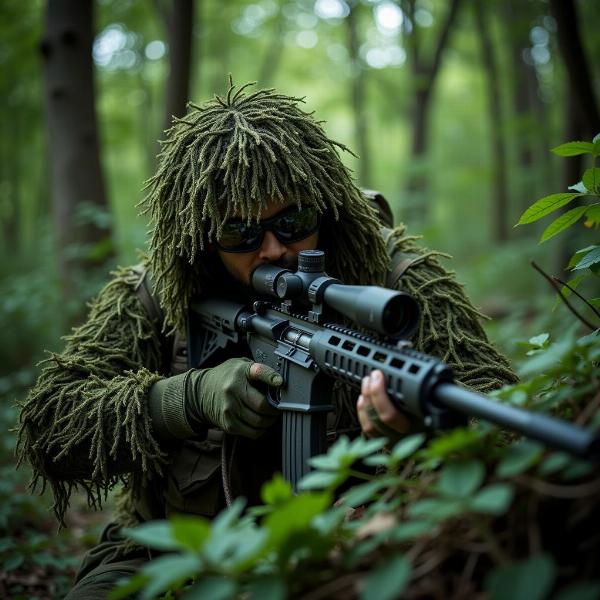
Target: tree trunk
<point>357,93</point>
<point>272,57</point>
<point>75,171</point>
<point>582,116</point>
<point>424,76</point>
<point>578,72</point>
<point>496,125</point>
<point>180,27</point>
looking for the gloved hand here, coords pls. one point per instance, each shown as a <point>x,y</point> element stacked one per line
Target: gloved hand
<point>227,396</point>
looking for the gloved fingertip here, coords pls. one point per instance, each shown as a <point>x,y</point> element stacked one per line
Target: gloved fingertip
<point>276,380</point>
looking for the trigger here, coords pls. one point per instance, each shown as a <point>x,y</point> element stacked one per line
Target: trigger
<point>273,396</point>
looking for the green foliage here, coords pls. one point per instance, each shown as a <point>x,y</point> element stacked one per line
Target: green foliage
<point>531,579</point>
<point>585,261</point>
<point>588,186</point>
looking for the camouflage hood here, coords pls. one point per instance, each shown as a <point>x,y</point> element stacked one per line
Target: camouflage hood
<point>231,156</point>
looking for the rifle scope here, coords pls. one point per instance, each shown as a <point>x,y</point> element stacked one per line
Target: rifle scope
<point>386,311</point>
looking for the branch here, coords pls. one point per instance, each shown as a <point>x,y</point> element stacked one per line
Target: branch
<point>596,311</point>
<point>563,297</point>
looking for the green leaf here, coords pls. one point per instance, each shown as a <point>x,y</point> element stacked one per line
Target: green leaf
<point>154,534</point>
<point>584,590</point>
<point>6,544</point>
<point>295,516</point>
<point>456,440</point>
<point>407,446</point>
<point>460,478</point>
<point>591,180</point>
<point>531,579</point>
<point>437,509</point>
<point>378,460</point>
<point>318,480</point>
<point>592,214</point>
<point>165,572</point>
<point>563,222</point>
<point>546,361</point>
<point>363,447</point>
<point>576,469</point>
<point>579,187</point>
<point>328,521</point>
<point>267,588</point>
<point>387,580</point>
<point>553,463</point>
<point>191,532</point>
<point>519,458</point>
<point>276,491</point>
<point>589,259</point>
<point>410,530</point>
<point>213,588</point>
<point>13,562</point>
<point>493,499</point>
<point>126,587</point>
<point>544,206</point>
<point>574,149</point>
<point>579,254</point>
<point>364,492</point>
<point>539,340</point>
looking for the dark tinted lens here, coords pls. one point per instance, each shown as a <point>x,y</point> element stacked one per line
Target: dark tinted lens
<point>238,236</point>
<point>296,225</point>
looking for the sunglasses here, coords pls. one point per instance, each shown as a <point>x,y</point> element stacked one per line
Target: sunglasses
<point>289,226</point>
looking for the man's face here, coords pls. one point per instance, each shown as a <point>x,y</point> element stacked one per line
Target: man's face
<point>241,264</point>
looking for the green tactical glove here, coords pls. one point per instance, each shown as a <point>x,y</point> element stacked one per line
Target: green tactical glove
<point>225,396</point>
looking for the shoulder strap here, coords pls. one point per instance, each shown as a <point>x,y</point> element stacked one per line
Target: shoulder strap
<point>381,205</point>
<point>400,262</point>
<point>143,290</point>
<point>174,348</point>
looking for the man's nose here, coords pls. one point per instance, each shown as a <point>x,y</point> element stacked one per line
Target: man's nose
<point>271,248</point>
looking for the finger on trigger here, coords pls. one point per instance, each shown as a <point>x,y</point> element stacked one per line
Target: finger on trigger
<point>264,373</point>
<point>256,401</point>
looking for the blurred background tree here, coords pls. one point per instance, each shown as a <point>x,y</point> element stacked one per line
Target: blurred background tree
<point>453,107</point>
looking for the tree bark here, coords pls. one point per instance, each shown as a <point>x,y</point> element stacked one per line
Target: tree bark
<point>357,94</point>
<point>424,75</point>
<point>496,125</point>
<point>578,71</point>
<point>73,144</point>
<point>180,27</point>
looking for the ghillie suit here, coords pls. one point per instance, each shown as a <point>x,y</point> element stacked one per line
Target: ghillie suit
<point>86,422</point>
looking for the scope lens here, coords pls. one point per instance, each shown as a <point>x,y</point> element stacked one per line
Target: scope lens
<point>401,315</point>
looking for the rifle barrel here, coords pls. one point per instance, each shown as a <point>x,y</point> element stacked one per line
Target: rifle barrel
<point>544,428</point>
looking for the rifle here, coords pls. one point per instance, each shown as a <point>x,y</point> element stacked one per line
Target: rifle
<point>293,336</point>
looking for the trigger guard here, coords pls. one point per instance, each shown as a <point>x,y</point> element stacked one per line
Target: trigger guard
<point>273,396</point>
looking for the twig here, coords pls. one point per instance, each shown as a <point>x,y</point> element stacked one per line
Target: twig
<point>563,297</point>
<point>583,298</point>
<point>436,559</point>
<point>466,576</point>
